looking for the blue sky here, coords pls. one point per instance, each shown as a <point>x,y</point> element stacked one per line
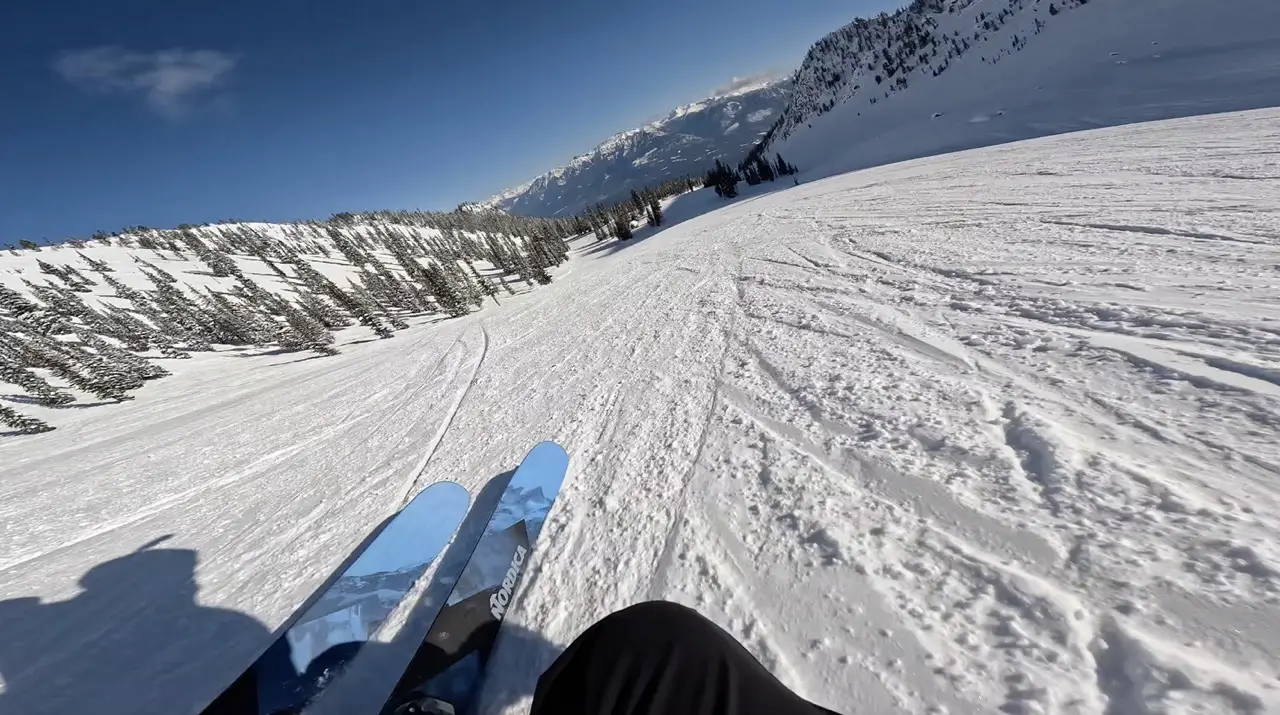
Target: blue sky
<point>157,113</point>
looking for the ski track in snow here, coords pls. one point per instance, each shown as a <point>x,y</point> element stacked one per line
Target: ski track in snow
<point>993,431</point>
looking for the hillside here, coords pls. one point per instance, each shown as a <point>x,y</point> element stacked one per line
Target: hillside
<point>685,142</point>
<point>986,432</point>
<point>942,76</point>
<point>85,323</point>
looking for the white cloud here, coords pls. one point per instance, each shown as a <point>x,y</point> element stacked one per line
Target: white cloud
<point>168,80</point>
<point>739,82</point>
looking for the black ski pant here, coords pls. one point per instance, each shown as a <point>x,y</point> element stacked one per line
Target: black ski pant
<point>660,658</point>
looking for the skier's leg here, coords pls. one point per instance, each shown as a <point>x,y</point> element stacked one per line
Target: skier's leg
<point>660,658</point>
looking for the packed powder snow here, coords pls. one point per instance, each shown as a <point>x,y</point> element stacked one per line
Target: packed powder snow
<point>987,431</point>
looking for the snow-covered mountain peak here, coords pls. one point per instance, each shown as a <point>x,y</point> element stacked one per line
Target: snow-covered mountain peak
<point>684,142</point>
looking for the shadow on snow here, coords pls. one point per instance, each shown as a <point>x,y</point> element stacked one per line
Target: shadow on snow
<point>685,207</point>
<point>135,639</point>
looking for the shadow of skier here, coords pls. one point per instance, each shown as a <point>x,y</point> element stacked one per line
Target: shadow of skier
<point>134,641</point>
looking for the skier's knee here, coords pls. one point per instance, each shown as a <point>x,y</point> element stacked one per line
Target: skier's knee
<point>658,616</point>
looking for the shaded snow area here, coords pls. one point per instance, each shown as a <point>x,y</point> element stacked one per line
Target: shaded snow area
<point>989,432</point>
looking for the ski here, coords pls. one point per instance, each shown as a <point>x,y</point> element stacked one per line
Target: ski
<point>446,671</point>
<point>318,645</point>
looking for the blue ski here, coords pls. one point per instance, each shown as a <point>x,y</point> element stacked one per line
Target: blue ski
<point>320,643</point>
<point>448,668</point>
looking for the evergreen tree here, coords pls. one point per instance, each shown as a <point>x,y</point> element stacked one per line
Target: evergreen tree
<point>637,203</point>
<point>449,296</point>
<point>347,247</point>
<point>155,273</point>
<point>219,264</point>
<point>14,303</point>
<point>321,310</point>
<point>122,360</point>
<point>723,179</point>
<point>302,332</point>
<point>240,322</point>
<point>654,212</point>
<point>486,287</point>
<point>60,358</point>
<point>100,367</point>
<point>622,225</point>
<point>39,388</point>
<point>180,316</point>
<point>362,313</point>
<point>23,424</point>
<point>783,168</point>
<point>83,282</point>
<point>371,303</point>
<point>764,168</point>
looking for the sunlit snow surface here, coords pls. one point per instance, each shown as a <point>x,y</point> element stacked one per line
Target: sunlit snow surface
<point>991,430</point>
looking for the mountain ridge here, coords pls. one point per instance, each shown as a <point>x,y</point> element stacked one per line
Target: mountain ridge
<point>941,76</point>
<point>685,141</point>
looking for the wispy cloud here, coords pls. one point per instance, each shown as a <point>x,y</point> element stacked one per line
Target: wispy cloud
<point>169,81</point>
<point>739,82</point>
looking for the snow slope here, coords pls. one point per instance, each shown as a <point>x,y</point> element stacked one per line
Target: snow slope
<point>684,143</point>
<point>1103,63</point>
<point>1011,445</point>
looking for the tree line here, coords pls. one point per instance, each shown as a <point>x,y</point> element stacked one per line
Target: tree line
<point>755,169</point>
<point>645,205</point>
<point>401,264</point>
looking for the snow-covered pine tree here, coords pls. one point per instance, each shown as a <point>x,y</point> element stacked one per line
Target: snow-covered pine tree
<point>84,283</point>
<point>622,225</point>
<point>46,319</point>
<point>39,388</point>
<point>317,282</point>
<point>486,287</point>
<point>183,316</point>
<point>366,298</point>
<point>22,424</point>
<point>219,263</point>
<point>403,251</point>
<point>497,255</point>
<point>154,273</point>
<point>321,310</point>
<point>347,247</point>
<point>448,294</point>
<point>60,358</point>
<point>104,367</point>
<point>654,212</point>
<point>96,265</point>
<point>524,269</point>
<point>469,288</point>
<point>121,359</point>
<point>50,269</point>
<point>235,322</point>
<point>140,335</point>
<point>304,332</point>
<point>388,288</point>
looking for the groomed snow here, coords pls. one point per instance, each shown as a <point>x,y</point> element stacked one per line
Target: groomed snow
<point>994,431</point>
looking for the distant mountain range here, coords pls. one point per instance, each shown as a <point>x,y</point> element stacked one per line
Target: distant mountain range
<point>685,142</point>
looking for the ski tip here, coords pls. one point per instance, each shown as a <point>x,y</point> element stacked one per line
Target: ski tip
<point>547,451</point>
